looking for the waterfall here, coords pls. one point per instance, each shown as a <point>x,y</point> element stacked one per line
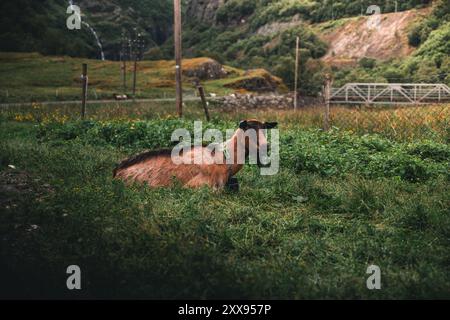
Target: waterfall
<point>99,44</point>
<point>102,54</point>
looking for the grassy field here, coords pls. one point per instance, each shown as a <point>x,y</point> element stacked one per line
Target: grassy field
<point>33,77</point>
<point>359,195</point>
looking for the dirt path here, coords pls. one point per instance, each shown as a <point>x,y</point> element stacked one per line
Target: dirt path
<point>77,102</point>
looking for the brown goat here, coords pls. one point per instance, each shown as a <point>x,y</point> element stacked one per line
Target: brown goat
<point>157,168</point>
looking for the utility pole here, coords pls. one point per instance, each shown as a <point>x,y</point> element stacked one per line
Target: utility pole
<point>134,77</point>
<point>297,60</point>
<point>124,62</point>
<point>138,52</point>
<point>121,64</point>
<point>327,98</point>
<point>84,79</point>
<point>124,72</point>
<point>178,57</point>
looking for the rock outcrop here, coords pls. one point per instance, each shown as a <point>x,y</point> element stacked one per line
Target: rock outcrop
<point>204,69</point>
<point>203,10</point>
<point>252,101</point>
<point>258,80</point>
<point>380,39</point>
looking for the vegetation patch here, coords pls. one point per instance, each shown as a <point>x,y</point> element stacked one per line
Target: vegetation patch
<point>340,203</point>
<point>258,80</point>
<point>329,154</point>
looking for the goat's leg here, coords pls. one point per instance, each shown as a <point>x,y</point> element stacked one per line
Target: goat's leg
<point>198,181</point>
<point>216,182</point>
<point>219,179</point>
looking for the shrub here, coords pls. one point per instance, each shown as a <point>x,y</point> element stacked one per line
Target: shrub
<point>235,9</point>
<point>414,36</point>
<point>367,63</point>
<point>430,150</point>
<point>370,156</point>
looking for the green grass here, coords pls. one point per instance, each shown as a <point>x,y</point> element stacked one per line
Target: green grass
<point>309,232</point>
<point>32,77</point>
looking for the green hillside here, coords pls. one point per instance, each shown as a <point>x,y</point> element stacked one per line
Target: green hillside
<point>40,26</point>
<point>265,11</point>
<point>263,33</point>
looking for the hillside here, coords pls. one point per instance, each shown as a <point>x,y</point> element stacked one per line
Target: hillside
<point>334,38</point>
<point>355,38</point>
<point>30,26</point>
<point>40,26</point>
<point>261,12</point>
<point>411,45</point>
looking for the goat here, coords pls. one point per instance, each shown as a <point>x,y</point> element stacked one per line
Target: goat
<point>216,168</point>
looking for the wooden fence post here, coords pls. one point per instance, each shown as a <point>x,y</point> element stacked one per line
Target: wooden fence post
<point>327,97</point>
<point>201,92</point>
<point>297,59</point>
<point>124,75</point>
<point>84,78</point>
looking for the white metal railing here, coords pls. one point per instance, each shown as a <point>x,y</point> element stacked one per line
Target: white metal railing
<point>390,93</point>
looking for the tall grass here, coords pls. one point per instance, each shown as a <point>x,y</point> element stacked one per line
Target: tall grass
<point>400,123</point>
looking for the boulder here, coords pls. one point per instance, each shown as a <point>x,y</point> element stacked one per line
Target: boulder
<point>257,80</point>
<point>252,101</point>
<point>204,69</point>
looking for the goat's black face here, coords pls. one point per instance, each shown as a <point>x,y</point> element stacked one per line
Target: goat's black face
<point>256,125</point>
<point>261,140</point>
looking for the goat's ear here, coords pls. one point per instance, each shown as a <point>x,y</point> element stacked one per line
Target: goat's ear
<point>270,125</point>
<point>243,125</point>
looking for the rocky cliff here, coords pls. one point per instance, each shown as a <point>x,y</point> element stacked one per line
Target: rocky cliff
<point>203,10</point>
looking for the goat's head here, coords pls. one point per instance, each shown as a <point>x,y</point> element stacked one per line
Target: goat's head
<point>255,138</point>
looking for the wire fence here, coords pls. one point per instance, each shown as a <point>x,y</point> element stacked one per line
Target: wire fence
<point>405,111</point>
<point>400,121</point>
